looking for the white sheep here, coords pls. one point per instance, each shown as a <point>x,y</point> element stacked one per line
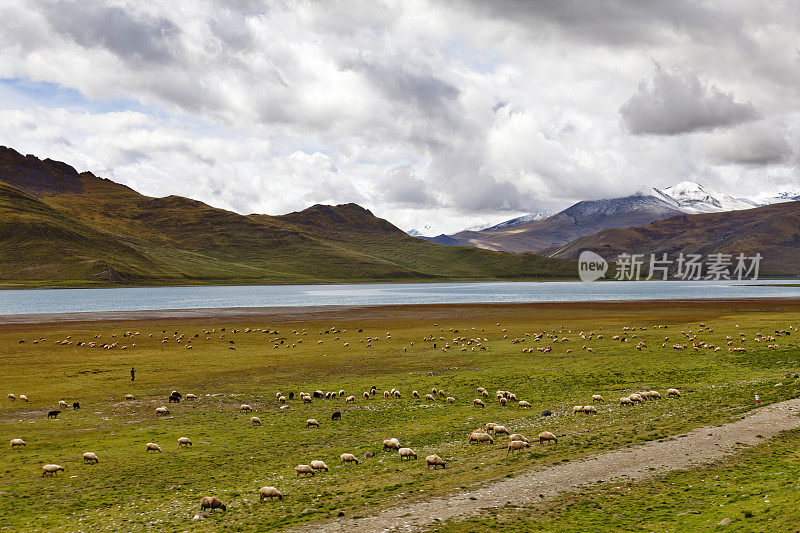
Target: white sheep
<point>597,398</point>
<point>490,426</point>
<point>517,436</point>
<point>654,394</point>
<point>129,397</point>
<point>590,409</point>
<point>245,408</point>
<point>522,403</point>
<point>62,404</point>
<point>406,453</point>
<point>23,397</point>
<point>450,399</point>
<point>319,465</point>
<point>255,421</point>
<point>673,392</point>
<point>546,436</point>
<point>162,410</point>
<point>15,443</point>
<point>51,470</point>
<point>625,401</point>
<point>304,469</point>
<point>480,437</point>
<point>184,441</point>
<point>435,461</point>
<point>269,492</point>
<point>281,399</point>
<point>11,397</point>
<point>348,458</point>
<point>516,445</point>
<point>312,423</point>
<point>497,430</point>
<point>90,457</point>
<point>350,399</point>
<point>636,398</point>
<point>577,409</point>
<point>391,444</point>
<point>152,447</point>
<point>477,402</point>
<point>190,397</point>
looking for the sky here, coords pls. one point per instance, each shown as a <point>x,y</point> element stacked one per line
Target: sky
<point>435,115</point>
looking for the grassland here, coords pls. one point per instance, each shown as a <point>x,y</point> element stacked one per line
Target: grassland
<point>132,490</point>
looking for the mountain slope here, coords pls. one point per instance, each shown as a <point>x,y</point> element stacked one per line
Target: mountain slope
<point>773,231</point>
<point>61,225</point>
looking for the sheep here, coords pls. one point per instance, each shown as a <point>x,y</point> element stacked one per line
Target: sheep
<point>480,437</point>
<point>152,447</point>
<point>391,444</point>
<point>522,403</point>
<point>51,470</point>
<point>176,394</point>
<point>304,469</point>
<point>577,409</point>
<point>211,503</point>
<point>590,409</point>
<point>515,445</point>
<point>386,394</point>
<point>517,436</point>
<point>654,395</point>
<point>673,392</point>
<point>312,423</point>
<point>319,465</point>
<point>597,398</point>
<point>23,397</point>
<point>546,436</point>
<point>11,397</point>
<point>75,406</point>
<point>500,429</point>
<point>341,392</point>
<point>478,403</point>
<point>162,410</point>
<point>490,426</point>
<point>415,394</point>
<point>407,453</point>
<point>434,461</point>
<point>503,401</point>
<point>336,415</point>
<point>184,441</point>
<point>245,408</point>
<point>62,404</point>
<point>15,443</point>
<point>430,398</point>
<point>481,390</point>
<point>450,399</point>
<point>90,457</point>
<point>255,421</point>
<point>129,397</point>
<point>190,397</point>
<point>269,492</point>
<point>348,458</point>
<point>174,399</point>
<point>366,395</point>
<point>350,399</point>
<point>636,398</point>
<point>53,414</point>
<point>625,401</point>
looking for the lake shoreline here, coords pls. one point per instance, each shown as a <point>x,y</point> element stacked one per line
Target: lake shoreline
<point>283,314</point>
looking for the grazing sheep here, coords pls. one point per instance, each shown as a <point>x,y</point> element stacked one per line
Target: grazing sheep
<point>319,465</point>
<point>597,398</point>
<point>368,455</point>
<point>162,410</point>
<point>590,409</point>
<point>336,416</point>
<point>53,414</point>
<point>281,399</point>
<point>174,399</point>
<point>546,436</point>
<point>625,401</point>
<point>269,492</point>
<point>11,397</point>
<point>15,443</point>
<point>312,423</point>
<point>415,394</point>
<point>673,392</point>
<point>523,403</point>
<point>391,444</point>
<point>636,398</point>
<point>176,393</point>
<point>304,469</point>
<point>577,409</point>
<point>129,397</point>
<point>255,421</point>
<point>517,436</point>
<point>306,398</point>
<point>434,461</point>
<point>490,426</point>
<point>497,430</point>
<point>407,453</point>
<point>366,395</point>
<point>547,412</point>
<point>211,503</point>
<point>245,408</point>
<point>51,470</point>
<point>152,447</point>
<point>184,441</point>
<point>23,397</point>
<point>503,401</point>
<point>348,458</point>
<point>341,393</point>
<point>62,404</point>
<point>430,398</point>
<point>350,399</point>
<point>654,394</point>
<point>190,397</point>
<point>480,437</point>
<point>75,406</point>
<point>477,402</point>
<point>450,399</point>
<point>516,445</point>
<point>90,457</point>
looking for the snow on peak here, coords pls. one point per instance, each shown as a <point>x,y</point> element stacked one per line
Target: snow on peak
<point>695,198</point>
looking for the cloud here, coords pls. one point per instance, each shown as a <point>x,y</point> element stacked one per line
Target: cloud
<point>401,185</point>
<point>679,102</point>
<point>758,145</point>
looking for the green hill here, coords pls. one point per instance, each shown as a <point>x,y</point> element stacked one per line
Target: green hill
<point>58,226</point>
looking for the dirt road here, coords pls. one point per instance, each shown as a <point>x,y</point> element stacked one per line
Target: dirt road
<point>698,447</point>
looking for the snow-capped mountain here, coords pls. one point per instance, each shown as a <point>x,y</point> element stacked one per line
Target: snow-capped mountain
<point>512,222</point>
<point>426,229</point>
<point>695,198</point>
<point>790,195</point>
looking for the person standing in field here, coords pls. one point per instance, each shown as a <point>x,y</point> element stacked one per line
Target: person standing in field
<point>132,371</point>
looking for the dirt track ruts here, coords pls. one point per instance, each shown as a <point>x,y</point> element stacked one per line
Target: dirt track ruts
<point>698,447</point>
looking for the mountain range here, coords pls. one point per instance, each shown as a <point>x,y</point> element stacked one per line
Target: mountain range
<point>59,226</point>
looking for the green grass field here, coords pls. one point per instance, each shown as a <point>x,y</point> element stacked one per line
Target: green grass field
<point>130,489</point>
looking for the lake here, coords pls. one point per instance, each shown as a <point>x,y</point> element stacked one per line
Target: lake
<point>36,301</point>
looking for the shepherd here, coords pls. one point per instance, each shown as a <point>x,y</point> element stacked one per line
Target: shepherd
<point>132,371</point>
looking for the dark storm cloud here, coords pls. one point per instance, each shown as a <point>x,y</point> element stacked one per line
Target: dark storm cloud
<point>679,103</point>
<point>95,26</point>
